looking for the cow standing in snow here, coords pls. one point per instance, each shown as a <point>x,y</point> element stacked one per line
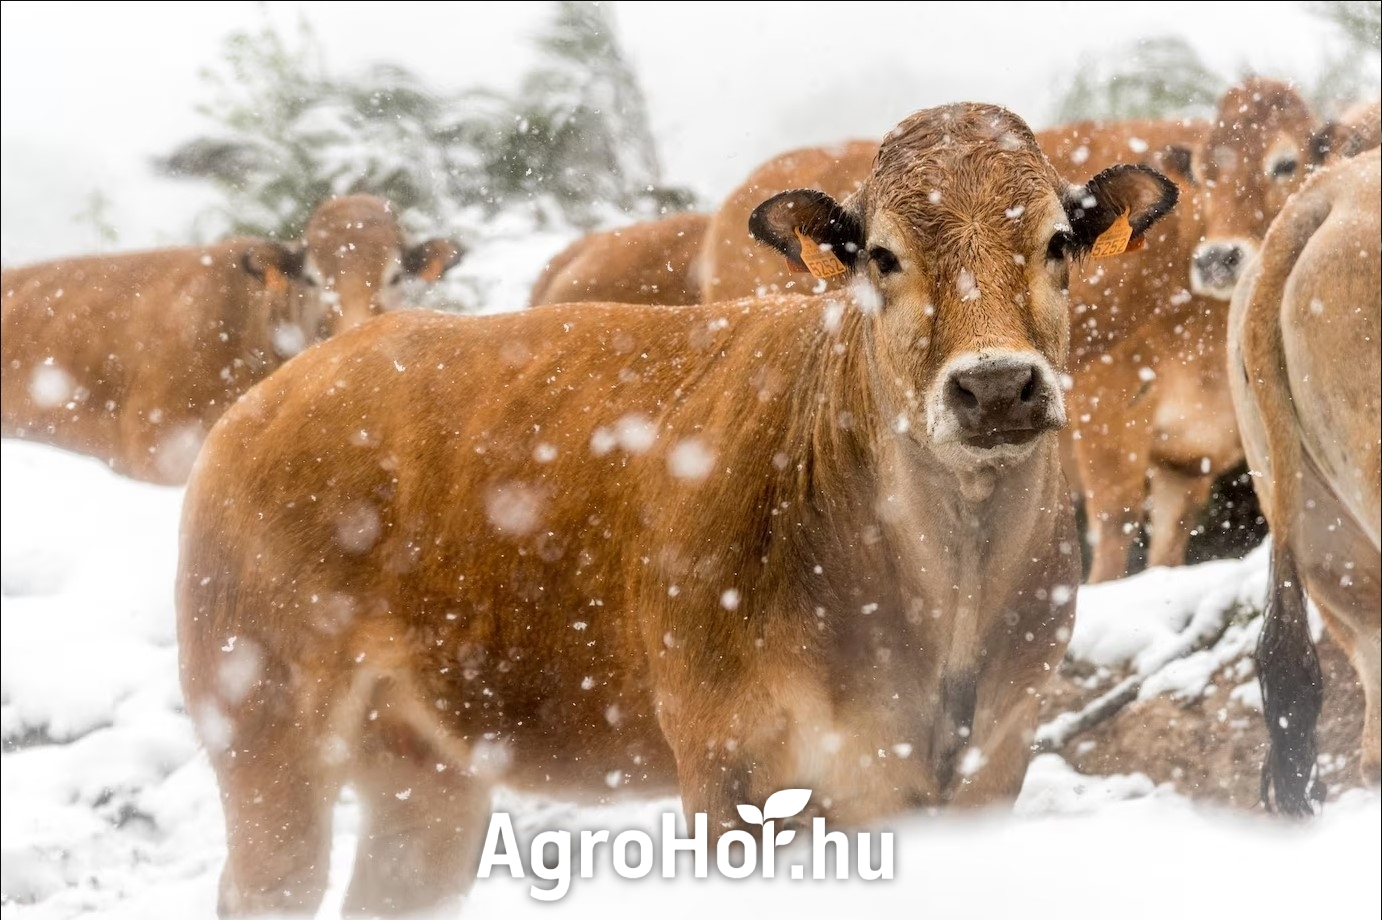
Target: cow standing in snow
<point>132,357</point>
<point>722,549</point>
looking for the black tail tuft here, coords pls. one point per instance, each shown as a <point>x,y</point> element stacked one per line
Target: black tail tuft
<point>1292,691</point>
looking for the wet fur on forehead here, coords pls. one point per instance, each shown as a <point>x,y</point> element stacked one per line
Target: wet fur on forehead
<point>983,160</point>
<point>1252,104</point>
<point>356,217</point>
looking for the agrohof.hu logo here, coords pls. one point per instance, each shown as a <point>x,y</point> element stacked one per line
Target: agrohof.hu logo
<point>632,852</point>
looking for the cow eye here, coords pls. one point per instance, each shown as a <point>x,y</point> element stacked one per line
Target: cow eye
<point>1059,246</point>
<point>395,279</point>
<point>883,260</point>
<point>1284,168</point>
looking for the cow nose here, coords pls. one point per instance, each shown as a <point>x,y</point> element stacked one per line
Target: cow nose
<point>1217,266</point>
<point>1000,402</point>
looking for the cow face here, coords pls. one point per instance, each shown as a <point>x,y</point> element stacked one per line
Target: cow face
<point>1256,154</point>
<point>291,313</point>
<point>357,260</point>
<point>960,242</point>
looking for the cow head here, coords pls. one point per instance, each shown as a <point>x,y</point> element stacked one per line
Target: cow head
<point>1256,154</point>
<point>960,242</point>
<point>358,261</point>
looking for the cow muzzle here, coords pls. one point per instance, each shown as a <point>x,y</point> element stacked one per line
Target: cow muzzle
<point>998,403</point>
<point>1216,267</point>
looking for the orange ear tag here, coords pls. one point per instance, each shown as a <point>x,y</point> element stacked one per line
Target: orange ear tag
<point>822,263</point>
<point>1117,239</point>
<point>433,270</point>
<point>274,280</point>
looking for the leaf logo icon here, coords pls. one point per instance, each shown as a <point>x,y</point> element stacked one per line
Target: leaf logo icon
<point>783,804</point>
<point>750,814</point>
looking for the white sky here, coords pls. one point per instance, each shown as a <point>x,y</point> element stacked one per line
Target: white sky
<point>90,92</point>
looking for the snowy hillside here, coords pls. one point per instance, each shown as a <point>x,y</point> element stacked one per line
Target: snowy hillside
<point>110,809</point>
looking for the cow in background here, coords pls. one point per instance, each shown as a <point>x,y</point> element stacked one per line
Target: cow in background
<point>1358,129</point>
<point>1152,425</point>
<point>1260,146</point>
<point>732,265</point>
<point>653,262</point>
<point>132,357</point>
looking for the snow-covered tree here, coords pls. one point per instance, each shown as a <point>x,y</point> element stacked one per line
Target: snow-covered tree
<point>573,144</point>
<point>1151,78</point>
<point>576,137</point>
<point>1351,67</point>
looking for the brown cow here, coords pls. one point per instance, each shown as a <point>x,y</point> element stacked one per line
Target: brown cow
<point>732,265</point>
<point>1151,416</point>
<point>1260,146</point>
<point>1152,421</point>
<point>718,548</point>
<point>132,357</point>
<point>1307,382</point>
<point>654,262</point>
<point>1152,424</point>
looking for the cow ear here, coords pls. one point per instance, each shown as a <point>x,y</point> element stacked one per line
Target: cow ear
<point>1329,141</point>
<point>432,259</point>
<point>1178,161</point>
<point>274,264</point>
<point>1124,198</point>
<point>811,229</point>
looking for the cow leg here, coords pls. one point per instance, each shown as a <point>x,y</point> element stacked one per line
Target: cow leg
<point>733,747</point>
<point>1113,497</point>
<point>1357,632</point>
<point>1367,661</point>
<point>1177,498</point>
<point>423,820</point>
<point>994,764</point>
<point>277,797</point>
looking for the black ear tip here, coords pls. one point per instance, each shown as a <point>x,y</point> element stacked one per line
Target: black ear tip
<point>766,223</point>
<point>1168,193</point>
<point>455,252</point>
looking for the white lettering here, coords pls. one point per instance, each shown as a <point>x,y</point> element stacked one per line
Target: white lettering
<point>819,839</point>
<point>621,854</point>
<point>885,858</point>
<point>588,841</point>
<point>722,854</point>
<point>560,872</point>
<point>672,844</point>
<point>500,829</point>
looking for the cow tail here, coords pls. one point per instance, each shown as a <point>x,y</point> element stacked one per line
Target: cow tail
<point>1288,670</point>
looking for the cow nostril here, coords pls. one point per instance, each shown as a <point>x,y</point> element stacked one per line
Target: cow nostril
<point>965,397</point>
<point>1233,257</point>
<point>1029,388</point>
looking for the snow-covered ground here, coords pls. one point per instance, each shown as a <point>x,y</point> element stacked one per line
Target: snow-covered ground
<point>110,809</point>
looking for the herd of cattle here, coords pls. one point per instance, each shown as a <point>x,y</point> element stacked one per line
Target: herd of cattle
<point>781,496</point>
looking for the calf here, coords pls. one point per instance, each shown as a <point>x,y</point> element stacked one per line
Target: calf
<point>1152,424</point>
<point>132,357</point>
<point>721,549</point>
<point>1307,384</point>
<point>654,262</point>
<point>731,265</point>
<point>1257,152</point>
